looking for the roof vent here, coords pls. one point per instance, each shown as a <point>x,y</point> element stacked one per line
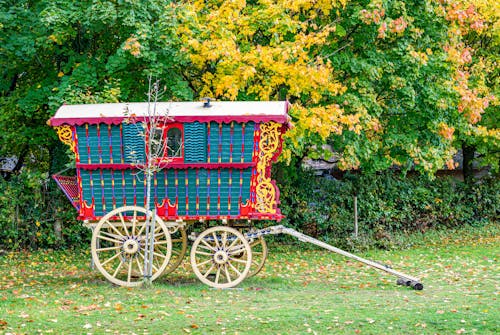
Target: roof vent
<point>207,104</point>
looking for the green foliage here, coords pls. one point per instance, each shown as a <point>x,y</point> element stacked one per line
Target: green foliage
<point>388,204</point>
<point>384,82</point>
<point>56,52</point>
<point>31,208</point>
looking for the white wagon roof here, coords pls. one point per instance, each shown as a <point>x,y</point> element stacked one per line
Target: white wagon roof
<point>219,111</point>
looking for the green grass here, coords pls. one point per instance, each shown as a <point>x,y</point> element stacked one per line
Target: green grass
<point>302,290</point>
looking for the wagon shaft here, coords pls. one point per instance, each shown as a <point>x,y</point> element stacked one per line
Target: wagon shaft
<point>403,279</point>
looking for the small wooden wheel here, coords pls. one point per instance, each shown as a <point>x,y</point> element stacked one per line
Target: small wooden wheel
<point>259,255</point>
<point>118,246</point>
<point>179,247</point>
<point>216,257</point>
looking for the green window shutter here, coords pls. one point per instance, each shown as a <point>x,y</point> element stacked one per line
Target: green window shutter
<point>195,142</point>
<point>133,143</point>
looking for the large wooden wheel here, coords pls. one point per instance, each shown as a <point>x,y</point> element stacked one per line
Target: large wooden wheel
<point>179,247</point>
<point>118,246</point>
<point>221,257</point>
<point>259,255</point>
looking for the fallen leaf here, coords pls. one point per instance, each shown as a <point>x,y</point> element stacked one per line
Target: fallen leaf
<point>3,324</point>
<point>87,308</point>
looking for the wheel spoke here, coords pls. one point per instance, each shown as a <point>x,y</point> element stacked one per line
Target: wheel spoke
<point>203,253</point>
<point>233,243</point>
<point>139,233</point>
<point>223,238</point>
<point>118,269</point>
<point>114,228</point>
<point>176,252</point>
<point>206,244</point>
<point>109,234</point>
<point>209,271</point>
<point>129,273</point>
<point>159,255</point>
<point>237,260</point>
<point>205,262</point>
<point>156,262</point>
<point>216,240</point>
<point>108,239</point>
<point>234,269</point>
<point>110,259</point>
<point>122,220</point>
<point>217,275</point>
<point>157,235</point>
<point>109,248</point>
<point>139,266</point>
<point>227,273</point>
<point>134,222</point>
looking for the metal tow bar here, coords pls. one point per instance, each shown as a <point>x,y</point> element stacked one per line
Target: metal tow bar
<point>403,279</point>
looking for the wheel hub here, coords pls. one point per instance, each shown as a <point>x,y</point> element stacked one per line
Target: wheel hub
<point>221,257</point>
<point>131,246</point>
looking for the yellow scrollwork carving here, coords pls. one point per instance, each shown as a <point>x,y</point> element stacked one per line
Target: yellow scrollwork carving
<point>268,145</point>
<point>65,134</point>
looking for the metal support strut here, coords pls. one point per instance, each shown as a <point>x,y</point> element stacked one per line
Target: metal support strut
<point>403,279</point>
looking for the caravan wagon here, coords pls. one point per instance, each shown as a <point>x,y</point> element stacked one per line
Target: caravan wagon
<point>214,172</point>
<point>217,168</point>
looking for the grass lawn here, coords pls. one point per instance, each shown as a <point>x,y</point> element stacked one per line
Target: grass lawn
<point>301,290</point>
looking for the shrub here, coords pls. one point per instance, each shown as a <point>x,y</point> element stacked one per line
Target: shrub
<point>388,204</point>
<point>35,214</point>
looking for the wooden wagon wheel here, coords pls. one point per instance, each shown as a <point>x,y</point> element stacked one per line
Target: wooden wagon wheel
<point>259,255</point>
<point>179,248</point>
<point>118,246</point>
<point>216,257</point>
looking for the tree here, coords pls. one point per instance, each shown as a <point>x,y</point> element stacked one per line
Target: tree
<point>476,27</point>
<point>261,50</point>
<point>56,52</point>
<point>377,79</point>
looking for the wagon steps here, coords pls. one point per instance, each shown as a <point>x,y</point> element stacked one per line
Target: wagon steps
<point>403,279</point>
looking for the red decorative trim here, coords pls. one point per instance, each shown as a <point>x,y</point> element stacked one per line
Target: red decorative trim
<point>87,211</point>
<point>167,209</point>
<point>245,208</point>
<point>194,218</point>
<point>179,166</point>
<point>283,119</point>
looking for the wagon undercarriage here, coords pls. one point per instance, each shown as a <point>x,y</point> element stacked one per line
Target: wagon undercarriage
<point>221,256</point>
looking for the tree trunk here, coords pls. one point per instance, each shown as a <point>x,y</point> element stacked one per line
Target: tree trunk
<point>58,230</point>
<point>468,152</point>
<point>57,161</point>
